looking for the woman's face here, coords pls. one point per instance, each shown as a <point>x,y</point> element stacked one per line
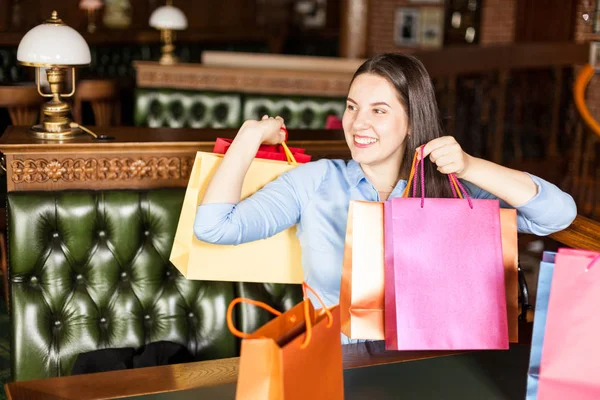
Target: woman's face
<point>375,122</point>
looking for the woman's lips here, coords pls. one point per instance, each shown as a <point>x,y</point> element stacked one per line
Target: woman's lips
<point>364,141</point>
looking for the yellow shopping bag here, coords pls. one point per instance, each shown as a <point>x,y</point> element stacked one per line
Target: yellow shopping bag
<point>273,260</point>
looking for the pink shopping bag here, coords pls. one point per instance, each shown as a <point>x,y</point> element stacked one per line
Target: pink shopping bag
<point>570,364</point>
<point>444,274</point>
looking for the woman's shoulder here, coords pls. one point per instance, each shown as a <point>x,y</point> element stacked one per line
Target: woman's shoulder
<point>319,171</point>
<point>323,167</point>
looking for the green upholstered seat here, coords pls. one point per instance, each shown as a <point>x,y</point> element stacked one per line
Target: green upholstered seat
<point>90,270</point>
<point>195,109</point>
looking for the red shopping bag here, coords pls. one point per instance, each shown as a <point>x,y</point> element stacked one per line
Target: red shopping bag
<point>570,366</point>
<point>269,152</point>
<point>444,273</point>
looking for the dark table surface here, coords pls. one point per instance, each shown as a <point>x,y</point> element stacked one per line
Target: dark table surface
<point>486,375</point>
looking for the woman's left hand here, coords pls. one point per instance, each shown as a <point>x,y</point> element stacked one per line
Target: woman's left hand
<point>446,153</point>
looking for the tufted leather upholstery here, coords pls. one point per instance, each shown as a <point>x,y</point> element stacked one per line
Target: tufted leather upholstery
<point>90,270</point>
<point>196,109</point>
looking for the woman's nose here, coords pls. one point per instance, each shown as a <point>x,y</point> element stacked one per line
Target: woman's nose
<point>360,122</point>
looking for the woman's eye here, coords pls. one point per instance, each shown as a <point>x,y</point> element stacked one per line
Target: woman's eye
<point>350,107</point>
<point>378,111</point>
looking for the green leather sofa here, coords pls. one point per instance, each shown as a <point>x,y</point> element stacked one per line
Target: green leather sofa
<point>197,109</point>
<point>90,270</point>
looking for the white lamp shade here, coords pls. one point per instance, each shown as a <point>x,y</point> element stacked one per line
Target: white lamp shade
<point>168,17</point>
<point>49,45</point>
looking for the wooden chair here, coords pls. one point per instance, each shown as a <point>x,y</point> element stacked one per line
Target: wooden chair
<point>23,103</point>
<point>103,95</point>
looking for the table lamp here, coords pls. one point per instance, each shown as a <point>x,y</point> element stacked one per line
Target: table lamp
<point>55,47</point>
<point>168,19</point>
<point>91,6</point>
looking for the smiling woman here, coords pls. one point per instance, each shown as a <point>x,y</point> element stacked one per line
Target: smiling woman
<point>391,110</point>
<point>392,89</point>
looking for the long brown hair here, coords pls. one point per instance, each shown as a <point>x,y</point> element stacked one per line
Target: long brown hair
<point>416,94</point>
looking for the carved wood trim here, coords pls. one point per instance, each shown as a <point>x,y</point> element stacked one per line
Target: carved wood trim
<point>91,169</point>
<point>43,172</point>
<point>243,80</point>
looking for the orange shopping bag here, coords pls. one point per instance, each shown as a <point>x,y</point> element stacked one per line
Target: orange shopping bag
<point>297,355</point>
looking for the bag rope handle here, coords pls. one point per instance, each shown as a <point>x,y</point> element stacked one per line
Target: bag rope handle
<point>288,154</point>
<point>593,263</point>
<point>457,188</point>
<point>307,319</point>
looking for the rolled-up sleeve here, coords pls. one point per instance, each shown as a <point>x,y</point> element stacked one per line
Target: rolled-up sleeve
<point>274,208</point>
<point>550,210</point>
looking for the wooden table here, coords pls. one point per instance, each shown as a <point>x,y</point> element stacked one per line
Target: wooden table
<point>369,370</point>
<point>136,158</point>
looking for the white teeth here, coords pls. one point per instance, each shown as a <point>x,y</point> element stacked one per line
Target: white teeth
<point>364,140</point>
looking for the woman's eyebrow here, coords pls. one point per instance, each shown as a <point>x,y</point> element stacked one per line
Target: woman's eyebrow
<point>378,103</point>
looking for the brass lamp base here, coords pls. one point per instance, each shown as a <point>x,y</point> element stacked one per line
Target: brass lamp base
<point>168,59</point>
<point>41,132</point>
<point>168,56</point>
<point>56,121</point>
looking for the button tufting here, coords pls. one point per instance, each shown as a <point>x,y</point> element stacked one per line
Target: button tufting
<point>147,233</point>
<point>123,275</point>
<point>57,323</point>
<point>168,273</point>
<point>102,320</point>
<point>191,315</point>
<point>33,280</point>
<point>101,233</point>
<point>79,277</point>
<point>147,317</point>
<point>55,234</point>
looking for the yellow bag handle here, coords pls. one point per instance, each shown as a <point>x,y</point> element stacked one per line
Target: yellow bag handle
<point>288,153</point>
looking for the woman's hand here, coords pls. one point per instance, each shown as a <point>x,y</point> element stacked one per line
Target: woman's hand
<point>514,187</point>
<point>270,130</point>
<point>446,153</point>
<point>226,184</point>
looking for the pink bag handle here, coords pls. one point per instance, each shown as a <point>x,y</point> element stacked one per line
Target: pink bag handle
<point>455,184</point>
<point>593,263</point>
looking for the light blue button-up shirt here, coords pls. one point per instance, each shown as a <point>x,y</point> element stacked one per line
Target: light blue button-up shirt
<point>316,196</point>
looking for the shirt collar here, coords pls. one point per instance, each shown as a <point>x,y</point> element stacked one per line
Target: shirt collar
<point>355,173</point>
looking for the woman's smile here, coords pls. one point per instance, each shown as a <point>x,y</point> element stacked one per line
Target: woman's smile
<point>363,142</point>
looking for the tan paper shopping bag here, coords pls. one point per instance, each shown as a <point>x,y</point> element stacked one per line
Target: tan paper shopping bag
<point>273,260</point>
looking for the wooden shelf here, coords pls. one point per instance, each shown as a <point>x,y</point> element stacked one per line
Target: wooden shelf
<point>149,36</point>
